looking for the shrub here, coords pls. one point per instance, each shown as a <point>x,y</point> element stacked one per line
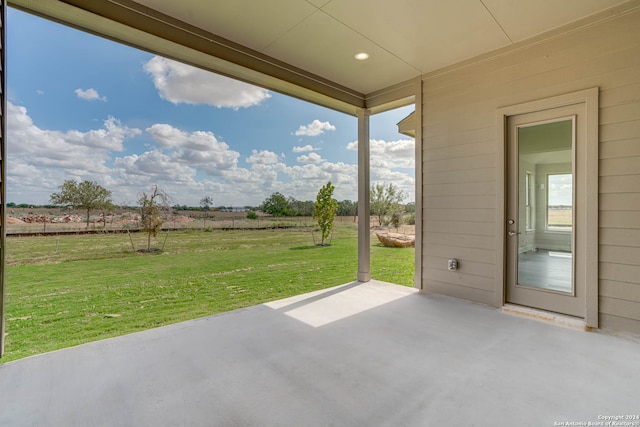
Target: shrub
<point>411,219</point>
<point>396,219</point>
<point>252,215</point>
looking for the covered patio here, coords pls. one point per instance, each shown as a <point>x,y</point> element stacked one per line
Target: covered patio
<point>357,354</point>
<point>372,353</point>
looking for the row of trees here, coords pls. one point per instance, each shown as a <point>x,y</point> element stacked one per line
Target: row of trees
<point>279,205</point>
<point>323,210</point>
<point>385,203</point>
<point>89,195</point>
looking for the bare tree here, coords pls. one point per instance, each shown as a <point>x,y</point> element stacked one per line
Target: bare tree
<point>155,207</point>
<point>384,199</point>
<point>206,202</point>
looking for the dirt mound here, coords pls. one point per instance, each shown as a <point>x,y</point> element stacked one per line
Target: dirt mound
<point>181,218</point>
<point>15,221</point>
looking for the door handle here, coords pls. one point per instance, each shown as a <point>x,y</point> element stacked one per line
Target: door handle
<point>513,233</point>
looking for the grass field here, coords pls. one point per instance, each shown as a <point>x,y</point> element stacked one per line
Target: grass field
<point>64,291</point>
<point>559,219</point>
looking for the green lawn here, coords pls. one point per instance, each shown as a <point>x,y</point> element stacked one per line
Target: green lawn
<point>96,286</point>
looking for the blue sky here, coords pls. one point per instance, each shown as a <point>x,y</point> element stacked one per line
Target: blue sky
<point>82,107</point>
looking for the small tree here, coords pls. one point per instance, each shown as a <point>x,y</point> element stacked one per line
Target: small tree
<point>154,207</point>
<point>206,202</point>
<point>384,199</point>
<point>82,195</point>
<point>324,210</point>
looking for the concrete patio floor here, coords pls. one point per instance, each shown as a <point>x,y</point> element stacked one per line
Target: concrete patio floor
<point>371,354</point>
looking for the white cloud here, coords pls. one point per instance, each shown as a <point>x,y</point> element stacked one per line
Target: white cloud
<point>110,138</point>
<point>19,172</point>
<point>392,154</point>
<point>341,168</point>
<point>403,181</point>
<point>72,149</point>
<point>252,186</point>
<point>181,83</point>
<point>314,128</point>
<point>311,158</point>
<point>386,158</point>
<point>40,159</point>
<point>40,92</point>
<point>201,149</point>
<point>304,149</point>
<point>304,181</point>
<point>262,157</point>
<point>168,136</point>
<point>156,165</point>
<point>308,172</point>
<point>90,95</point>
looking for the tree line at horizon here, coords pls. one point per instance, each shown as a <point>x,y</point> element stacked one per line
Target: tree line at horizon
<point>155,206</point>
<point>276,205</point>
<point>385,202</point>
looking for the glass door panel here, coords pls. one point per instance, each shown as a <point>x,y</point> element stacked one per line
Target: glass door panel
<point>545,206</point>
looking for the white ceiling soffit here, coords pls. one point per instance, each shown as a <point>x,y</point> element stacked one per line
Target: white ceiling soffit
<point>311,43</point>
<point>404,38</point>
<point>432,34</point>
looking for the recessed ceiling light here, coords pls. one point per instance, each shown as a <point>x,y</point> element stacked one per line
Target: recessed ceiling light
<point>362,56</point>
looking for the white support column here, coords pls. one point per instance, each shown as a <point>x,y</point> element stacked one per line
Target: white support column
<point>364,180</point>
<point>418,186</point>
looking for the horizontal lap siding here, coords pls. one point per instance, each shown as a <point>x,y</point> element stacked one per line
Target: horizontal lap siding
<point>619,266</point>
<point>619,201</point>
<point>459,196</point>
<point>459,149</point>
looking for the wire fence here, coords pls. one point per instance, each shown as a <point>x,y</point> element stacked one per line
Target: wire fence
<point>42,224</point>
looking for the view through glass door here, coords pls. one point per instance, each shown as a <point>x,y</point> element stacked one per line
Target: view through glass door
<point>541,225</point>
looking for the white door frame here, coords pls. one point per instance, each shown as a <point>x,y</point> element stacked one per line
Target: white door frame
<point>588,99</point>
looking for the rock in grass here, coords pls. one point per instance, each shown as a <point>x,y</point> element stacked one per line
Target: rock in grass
<point>113,315</point>
<point>395,240</point>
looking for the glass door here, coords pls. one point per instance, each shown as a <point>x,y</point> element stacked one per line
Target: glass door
<point>540,225</point>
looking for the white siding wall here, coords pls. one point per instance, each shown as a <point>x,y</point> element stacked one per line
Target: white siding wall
<point>459,160</point>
